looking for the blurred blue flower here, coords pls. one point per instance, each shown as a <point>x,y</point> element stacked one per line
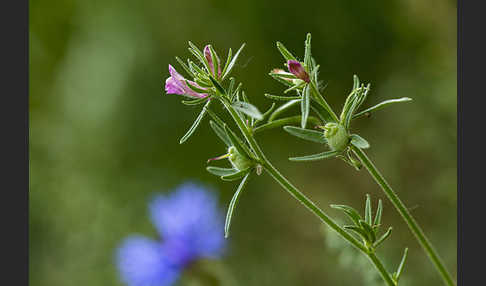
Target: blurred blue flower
<point>191,226</point>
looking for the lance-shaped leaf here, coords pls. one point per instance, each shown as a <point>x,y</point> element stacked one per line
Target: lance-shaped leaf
<point>285,53</point>
<point>195,88</point>
<point>380,106</point>
<point>379,210</point>
<point>368,209</point>
<point>195,124</point>
<point>359,141</point>
<point>350,212</point>
<point>400,267</point>
<point>186,68</point>
<point>306,134</point>
<point>283,108</point>
<point>277,97</point>
<point>221,171</point>
<point>315,157</point>
<point>307,55</point>
<point>383,237</point>
<point>195,101</point>
<point>236,176</point>
<point>268,111</point>
<point>231,86</point>
<point>248,109</point>
<point>369,230</point>
<point>220,133</point>
<point>230,66</point>
<point>357,230</point>
<point>217,85</point>
<point>199,55</point>
<point>228,60</point>
<point>232,205</point>
<point>304,106</point>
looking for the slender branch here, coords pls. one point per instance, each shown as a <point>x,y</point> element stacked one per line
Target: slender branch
<point>402,209</point>
<point>301,197</point>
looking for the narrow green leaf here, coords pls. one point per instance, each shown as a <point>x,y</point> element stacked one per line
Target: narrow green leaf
<point>355,82</point>
<point>315,157</point>
<point>383,237</point>
<point>380,106</point>
<point>368,210</point>
<point>215,59</point>
<point>304,106</point>
<point>402,263</point>
<point>195,101</point>
<point>233,61</point>
<point>307,56</point>
<point>236,176</point>
<point>185,67</point>
<point>217,85</point>
<point>221,171</point>
<point>233,204</point>
<point>220,133</point>
<point>277,97</point>
<point>283,75</point>
<point>359,141</point>
<point>199,55</point>
<point>306,134</point>
<point>248,109</point>
<point>283,108</point>
<point>320,111</point>
<point>350,212</point>
<point>237,91</point>
<point>369,230</point>
<point>269,110</point>
<point>379,210</point>
<point>195,88</point>
<point>281,80</point>
<point>285,53</point>
<point>228,60</point>
<point>231,86</point>
<point>195,124</point>
<point>358,230</point>
<point>216,118</point>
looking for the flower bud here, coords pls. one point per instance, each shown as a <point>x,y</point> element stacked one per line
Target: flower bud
<point>209,58</point>
<point>298,70</point>
<point>238,160</point>
<point>336,135</point>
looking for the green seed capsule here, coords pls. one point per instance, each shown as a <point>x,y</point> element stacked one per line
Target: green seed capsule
<point>238,160</point>
<point>336,135</point>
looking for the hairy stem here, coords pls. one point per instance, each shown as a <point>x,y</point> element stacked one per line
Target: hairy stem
<point>402,209</point>
<point>277,176</point>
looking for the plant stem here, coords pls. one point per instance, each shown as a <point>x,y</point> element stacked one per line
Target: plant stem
<point>301,197</point>
<point>285,121</point>
<point>402,209</point>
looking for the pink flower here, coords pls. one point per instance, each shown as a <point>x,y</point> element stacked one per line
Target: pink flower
<point>207,54</point>
<point>298,70</point>
<point>176,84</point>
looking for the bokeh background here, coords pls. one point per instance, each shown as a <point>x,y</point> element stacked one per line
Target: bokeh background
<point>104,136</point>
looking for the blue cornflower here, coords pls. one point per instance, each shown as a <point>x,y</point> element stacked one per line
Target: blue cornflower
<point>191,226</point>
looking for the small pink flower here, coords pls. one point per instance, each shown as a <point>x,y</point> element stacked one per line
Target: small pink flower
<point>207,54</point>
<point>298,70</point>
<point>176,84</point>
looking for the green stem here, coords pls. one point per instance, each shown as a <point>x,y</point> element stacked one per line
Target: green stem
<point>300,196</point>
<point>285,121</point>
<point>402,209</point>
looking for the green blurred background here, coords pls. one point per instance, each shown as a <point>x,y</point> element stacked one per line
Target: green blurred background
<point>104,136</point>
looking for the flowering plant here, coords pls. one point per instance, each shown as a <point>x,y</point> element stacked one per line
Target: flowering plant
<point>211,83</point>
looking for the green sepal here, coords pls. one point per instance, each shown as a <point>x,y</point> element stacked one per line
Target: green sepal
<point>379,210</point>
<point>306,134</point>
<point>236,176</point>
<point>232,205</point>
<point>359,141</point>
<point>399,271</point>
<point>315,157</point>
<point>357,230</point>
<point>307,55</point>
<point>350,212</point>
<point>304,106</point>
<point>220,133</point>
<point>383,237</point>
<point>215,59</point>
<point>233,61</point>
<point>221,171</point>
<point>380,106</point>
<point>282,81</point>
<point>195,124</point>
